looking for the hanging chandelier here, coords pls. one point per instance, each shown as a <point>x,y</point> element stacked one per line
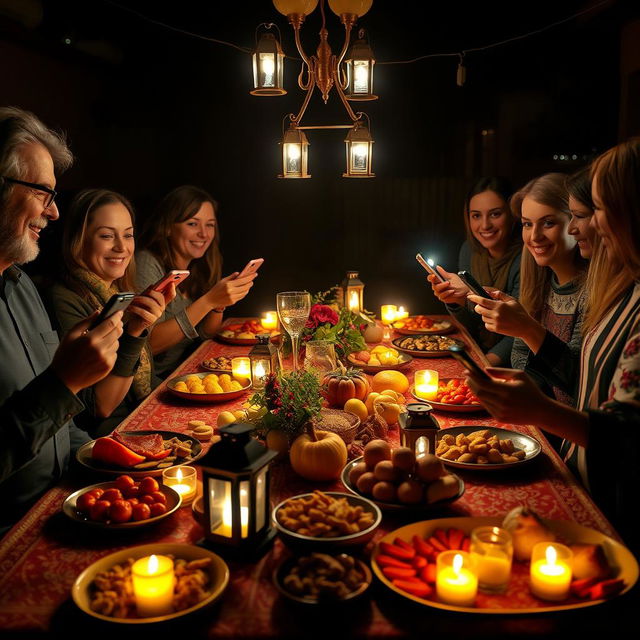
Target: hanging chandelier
<point>350,74</point>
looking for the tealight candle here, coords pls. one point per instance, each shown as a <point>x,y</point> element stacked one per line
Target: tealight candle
<point>153,583</point>
<point>401,314</point>
<point>551,571</point>
<point>456,579</point>
<point>492,548</point>
<point>426,384</point>
<point>241,368</point>
<point>225,528</point>
<point>388,313</point>
<point>183,480</point>
<point>269,320</point>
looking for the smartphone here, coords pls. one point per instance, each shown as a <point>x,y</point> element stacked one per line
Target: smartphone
<point>251,267</point>
<point>473,284</point>
<point>117,302</point>
<point>429,265</point>
<point>175,277</point>
<point>462,355</point>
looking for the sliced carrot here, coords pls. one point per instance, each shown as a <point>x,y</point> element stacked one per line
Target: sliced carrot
<point>419,589</point>
<point>397,552</point>
<point>389,561</point>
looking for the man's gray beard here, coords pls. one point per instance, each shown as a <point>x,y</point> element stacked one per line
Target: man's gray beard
<point>15,249</point>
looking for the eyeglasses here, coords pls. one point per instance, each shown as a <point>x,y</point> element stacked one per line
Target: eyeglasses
<point>50,193</point>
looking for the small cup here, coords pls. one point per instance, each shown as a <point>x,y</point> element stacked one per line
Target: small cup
<point>492,548</point>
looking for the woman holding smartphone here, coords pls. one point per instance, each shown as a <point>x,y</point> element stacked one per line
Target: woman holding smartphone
<point>601,435</point>
<point>183,234</point>
<point>98,248</point>
<point>491,253</point>
<point>551,278</point>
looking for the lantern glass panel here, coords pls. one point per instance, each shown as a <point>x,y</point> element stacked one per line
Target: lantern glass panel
<point>293,157</point>
<point>359,156</point>
<point>260,369</point>
<point>245,498</point>
<point>261,505</point>
<point>267,70</point>
<point>220,516</point>
<point>361,76</point>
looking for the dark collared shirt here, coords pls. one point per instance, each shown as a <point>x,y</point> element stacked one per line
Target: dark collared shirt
<point>37,433</point>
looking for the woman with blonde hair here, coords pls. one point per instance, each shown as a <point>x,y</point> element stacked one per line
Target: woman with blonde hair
<point>183,234</point>
<point>601,435</point>
<point>98,248</point>
<point>551,281</point>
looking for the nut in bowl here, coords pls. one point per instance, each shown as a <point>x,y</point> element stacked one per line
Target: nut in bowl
<point>217,386</point>
<point>324,520</point>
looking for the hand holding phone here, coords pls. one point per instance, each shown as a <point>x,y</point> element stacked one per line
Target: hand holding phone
<point>473,284</point>
<point>462,355</point>
<point>251,267</point>
<point>173,277</point>
<point>429,265</point>
<point>117,302</point>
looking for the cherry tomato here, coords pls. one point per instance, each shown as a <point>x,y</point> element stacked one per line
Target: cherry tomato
<point>459,399</point>
<point>111,495</point>
<point>141,511</point>
<point>120,511</point>
<point>157,509</point>
<point>85,502</point>
<point>148,485</point>
<point>132,492</point>
<point>125,482</point>
<point>133,501</point>
<point>100,511</point>
<point>97,493</point>
<point>158,496</point>
<point>147,498</point>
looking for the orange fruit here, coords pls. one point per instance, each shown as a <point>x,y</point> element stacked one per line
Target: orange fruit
<point>390,379</point>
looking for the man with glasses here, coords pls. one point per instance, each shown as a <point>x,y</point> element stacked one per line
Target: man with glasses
<point>39,378</point>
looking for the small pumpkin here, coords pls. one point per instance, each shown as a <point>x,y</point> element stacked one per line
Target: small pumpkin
<point>318,455</point>
<point>344,384</point>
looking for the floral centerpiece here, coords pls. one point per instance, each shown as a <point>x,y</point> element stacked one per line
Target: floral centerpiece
<point>329,321</point>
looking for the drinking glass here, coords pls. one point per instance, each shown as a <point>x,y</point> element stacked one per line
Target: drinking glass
<point>293,310</point>
<point>320,356</point>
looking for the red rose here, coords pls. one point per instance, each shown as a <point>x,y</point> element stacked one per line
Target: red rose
<point>321,313</point>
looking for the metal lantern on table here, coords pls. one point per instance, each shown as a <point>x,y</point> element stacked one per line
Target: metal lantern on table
<point>235,481</point>
<point>352,292</point>
<point>262,361</point>
<point>418,428</point>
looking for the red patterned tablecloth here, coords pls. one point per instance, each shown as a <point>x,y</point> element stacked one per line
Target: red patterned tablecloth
<point>44,553</point>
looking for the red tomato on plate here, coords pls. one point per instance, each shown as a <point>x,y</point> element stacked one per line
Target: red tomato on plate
<point>120,511</point>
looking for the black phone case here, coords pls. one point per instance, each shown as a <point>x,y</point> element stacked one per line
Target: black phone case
<point>473,284</point>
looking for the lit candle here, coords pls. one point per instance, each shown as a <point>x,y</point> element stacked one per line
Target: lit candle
<point>426,384</point>
<point>401,314</point>
<point>183,480</point>
<point>354,301</point>
<point>492,548</point>
<point>269,320</point>
<point>225,529</point>
<point>241,368</point>
<point>550,571</point>
<point>388,313</point>
<point>456,580</point>
<point>153,584</point>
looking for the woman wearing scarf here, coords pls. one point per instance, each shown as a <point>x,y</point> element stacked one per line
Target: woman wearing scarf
<point>98,248</point>
<point>492,254</point>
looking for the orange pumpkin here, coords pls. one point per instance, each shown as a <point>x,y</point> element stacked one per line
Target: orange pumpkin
<point>340,386</point>
<point>318,455</point>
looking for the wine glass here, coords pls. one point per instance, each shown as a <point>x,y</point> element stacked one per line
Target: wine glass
<point>293,310</point>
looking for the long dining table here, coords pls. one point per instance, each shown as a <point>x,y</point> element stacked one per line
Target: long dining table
<point>42,555</point>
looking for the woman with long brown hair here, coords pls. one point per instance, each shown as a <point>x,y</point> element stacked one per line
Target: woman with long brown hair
<point>601,435</point>
<point>98,247</point>
<point>551,280</point>
<point>183,234</point>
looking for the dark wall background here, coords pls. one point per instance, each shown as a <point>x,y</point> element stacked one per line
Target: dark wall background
<point>147,109</point>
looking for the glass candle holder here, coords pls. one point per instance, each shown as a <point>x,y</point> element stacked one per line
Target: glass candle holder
<point>551,571</point>
<point>152,578</point>
<point>401,314</point>
<point>241,368</point>
<point>456,578</point>
<point>269,320</point>
<point>426,384</point>
<point>492,548</point>
<point>388,313</point>
<point>183,480</point>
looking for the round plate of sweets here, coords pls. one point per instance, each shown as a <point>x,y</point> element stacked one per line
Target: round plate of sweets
<point>453,395</point>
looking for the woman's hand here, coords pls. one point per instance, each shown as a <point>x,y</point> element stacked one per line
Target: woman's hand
<point>146,309</point>
<point>510,395</point>
<point>229,290</point>
<point>453,291</point>
<point>505,315</point>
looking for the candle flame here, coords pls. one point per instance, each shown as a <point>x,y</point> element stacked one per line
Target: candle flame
<point>552,555</point>
<point>457,564</point>
<point>152,564</point>
<point>259,370</point>
<point>179,474</point>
